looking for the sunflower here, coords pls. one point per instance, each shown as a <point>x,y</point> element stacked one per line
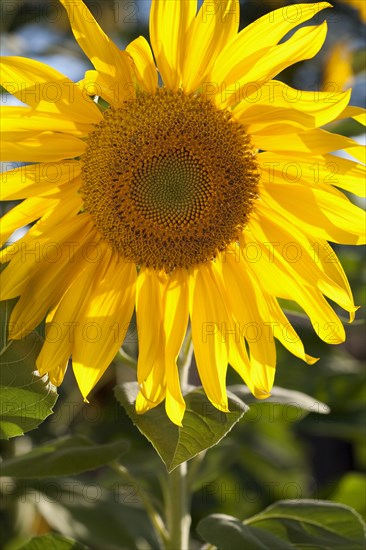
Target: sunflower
<point>358,5</point>
<point>338,67</point>
<point>184,183</point>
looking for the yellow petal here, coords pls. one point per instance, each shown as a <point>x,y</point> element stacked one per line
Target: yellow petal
<point>267,31</point>
<point>357,113</point>
<point>296,254</point>
<point>216,23</point>
<point>151,373</point>
<point>321,214</point>
<point>330,264</point>
<point>285,332</point>
<point>21,122</point>
<point>360,6</point>
<point>210,347</point>
<point>63,206</point>
<point>47,90</point>
<point>325,322</point>
<point>152,390</point>
<point>169,26</point>
<point>150,287</point>
<point>326,170</point>
<point>174,402</point>
<point>45,146</point>
<point>360,117</point>
<point>36,179</point>
<point>112,63</point>
<point>272,27</point>
<point>56,375</point>
<point>24,213</point>
<point>103,321</point>
<point>263,58</point>
<point>95,84</point>
<point>311,142</point>
<point>277,108</point>
<point>55,366</point>
<point>338,73</point>
<point>60,331</point>
<point>248,306</point>
<point>146,71</point>
<point>257,374</point>
<point>357,151</point>
<point>252,372</point>
<point>175,312</point>
<point>25,258</point>
<point>277,281</point>
<point>53,271</point>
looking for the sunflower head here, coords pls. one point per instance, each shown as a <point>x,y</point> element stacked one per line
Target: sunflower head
<point>166,187</point>
<point>169,179</point>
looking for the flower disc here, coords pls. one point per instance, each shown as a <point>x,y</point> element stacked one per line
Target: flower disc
<point>169,179</point>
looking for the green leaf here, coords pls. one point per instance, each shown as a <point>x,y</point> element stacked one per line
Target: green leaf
<point>315,523</point>
<point>311,524</point>
<point>62,457</point>
<point>203,425</point>
<point>26,397</point>
<point>351,490</point>
<point>283,396</point>
<point>53,542</point>
<point>228,533</point>
<point>104,519</point>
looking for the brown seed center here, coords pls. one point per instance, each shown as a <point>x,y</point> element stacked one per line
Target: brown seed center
<point>169,179</point>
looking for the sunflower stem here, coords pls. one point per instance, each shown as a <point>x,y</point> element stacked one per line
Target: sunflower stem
<point>194,466</point>
<point>154,517</point>
<point>177,497</point>
<point>186,360</point>
<point>178,514</point>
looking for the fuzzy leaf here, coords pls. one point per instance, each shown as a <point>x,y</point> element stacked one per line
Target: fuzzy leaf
<point>203,425</point>
<point>26,397</point>
<point>53,542</point>
<point>62,457</point>
<point>288,524</point>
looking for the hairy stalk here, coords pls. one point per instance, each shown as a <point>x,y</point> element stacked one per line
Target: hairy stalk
<point>178,513</point>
